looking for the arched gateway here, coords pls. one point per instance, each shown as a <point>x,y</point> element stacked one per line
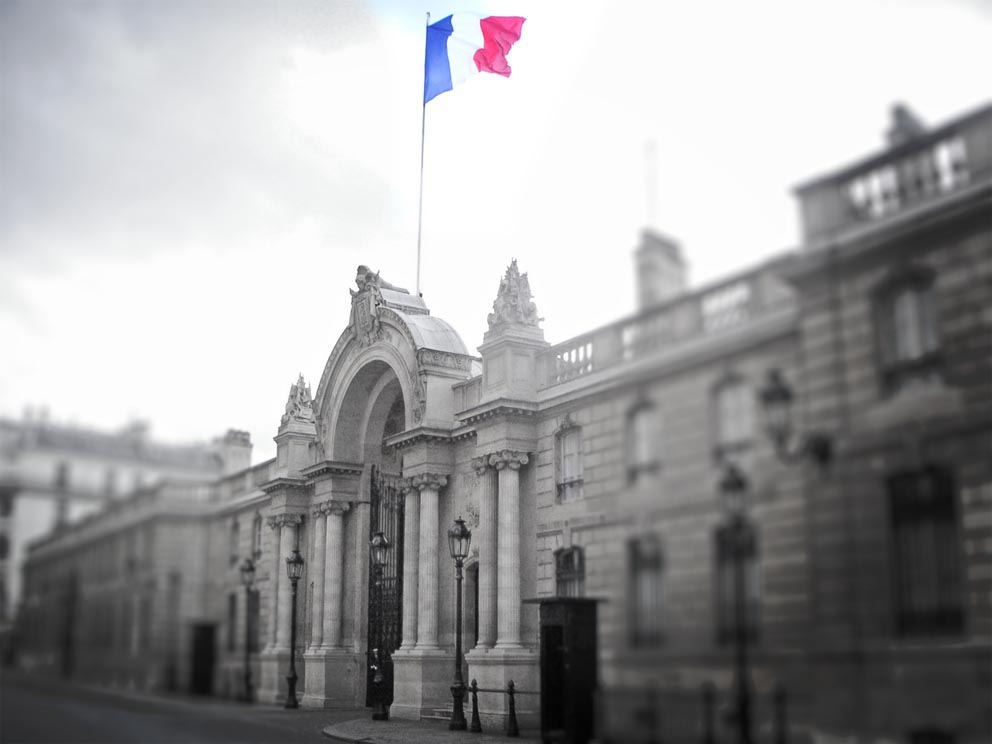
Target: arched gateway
<point>406,432</point>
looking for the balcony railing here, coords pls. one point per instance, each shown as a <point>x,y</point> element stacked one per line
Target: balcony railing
<point>723,306</point>
<point>938,168</point>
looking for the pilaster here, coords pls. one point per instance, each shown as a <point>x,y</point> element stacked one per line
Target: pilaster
<point>508,464</point>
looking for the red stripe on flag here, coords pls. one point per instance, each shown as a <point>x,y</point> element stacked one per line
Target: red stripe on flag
<point>499,34</point>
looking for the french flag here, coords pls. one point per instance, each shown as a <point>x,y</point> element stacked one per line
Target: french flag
<point>463,44</point>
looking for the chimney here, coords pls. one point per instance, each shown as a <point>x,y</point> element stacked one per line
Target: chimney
<point>234,449</point>
<point>661,272</point>
<point>906,126</point>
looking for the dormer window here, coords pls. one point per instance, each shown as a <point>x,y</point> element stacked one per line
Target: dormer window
<point>906,329</point>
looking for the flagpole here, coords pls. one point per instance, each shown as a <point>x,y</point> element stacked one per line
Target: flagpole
<point>423,121</point>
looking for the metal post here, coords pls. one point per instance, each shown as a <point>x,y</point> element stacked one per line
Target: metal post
<point>458,688</point>
<point>476,725</point>
<point>742,684</point>
<point>291,678</point>
<point>248,692</point>
<point>379,710</point>
<point>511,718</point>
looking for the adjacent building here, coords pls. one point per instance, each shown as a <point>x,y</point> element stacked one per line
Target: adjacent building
<point>591,468</point>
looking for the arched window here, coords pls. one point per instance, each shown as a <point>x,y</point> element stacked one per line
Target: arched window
<point>642,440</point>
<point>570,572</point>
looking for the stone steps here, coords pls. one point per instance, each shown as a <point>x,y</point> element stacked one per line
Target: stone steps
<point>439,714</point>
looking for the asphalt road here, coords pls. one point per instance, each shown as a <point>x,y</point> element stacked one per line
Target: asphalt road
<point>37,710</point>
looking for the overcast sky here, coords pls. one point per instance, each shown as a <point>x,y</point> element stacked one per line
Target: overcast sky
<point>186,188</point>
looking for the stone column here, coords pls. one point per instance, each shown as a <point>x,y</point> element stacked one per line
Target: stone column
<point>487,552</point>
<point>411,564</point>
<point>508,464</point>
<point>287,541</point>
<point>275,571</point>
<point>317,607</point>
<point>334,573</point>
<point>427,584</point>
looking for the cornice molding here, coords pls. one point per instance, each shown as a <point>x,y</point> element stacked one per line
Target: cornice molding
<point>411,437</point>
<point>508,407</point>
<point>283,483</point>
<point>331,467</point>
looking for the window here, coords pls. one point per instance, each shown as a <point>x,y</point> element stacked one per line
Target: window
<point>4,547</point>
<point>257,536</point>
<point>568,458</point>
<point>232,620</point>
<point>235,539</point>
<point>734,403</point>
<point>6,505</point>
<point>642,440</point>
<point>729,542</point>
<point>906,329</point>
<point>646,564</point>
<point>570,572</point>
<point>926,552</point>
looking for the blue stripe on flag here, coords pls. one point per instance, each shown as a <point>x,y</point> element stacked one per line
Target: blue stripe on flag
<point>437,71</point>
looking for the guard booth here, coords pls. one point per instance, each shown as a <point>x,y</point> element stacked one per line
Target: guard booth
<point>569,668</point>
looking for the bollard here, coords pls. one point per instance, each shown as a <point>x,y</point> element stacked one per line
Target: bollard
<point>709,711</point>
<point>511,718</point>
<point>781,722</point>
<point>476,726</point>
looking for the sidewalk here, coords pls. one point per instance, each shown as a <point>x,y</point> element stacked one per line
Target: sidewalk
<point>367,731</point>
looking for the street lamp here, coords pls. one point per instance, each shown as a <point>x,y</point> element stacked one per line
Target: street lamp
<point>740,540</point>
<point>459,538</point>
<point>776,402</point>
<point>247,578</point>
<point>294,569</point>
<point>379,549</point>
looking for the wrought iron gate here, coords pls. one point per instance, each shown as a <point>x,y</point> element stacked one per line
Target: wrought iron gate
<point>385,630</point>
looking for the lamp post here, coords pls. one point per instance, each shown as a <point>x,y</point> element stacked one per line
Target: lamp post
<point>294,569</point>
<point>740,537</point>
<point>379,549</point>
<point>247,578</point>
<point>459,539</point>
<point>776,402</point>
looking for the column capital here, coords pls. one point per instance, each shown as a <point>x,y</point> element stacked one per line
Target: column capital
<point>335,508</point>
<point>512,459</point>
<point>433,481</point>
<point>481,464</point>
<point>280,520</point>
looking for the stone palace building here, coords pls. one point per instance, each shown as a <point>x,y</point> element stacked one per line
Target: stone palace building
<point>590,468</point>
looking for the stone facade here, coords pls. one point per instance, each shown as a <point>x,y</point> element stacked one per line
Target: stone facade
<point>591,468</point>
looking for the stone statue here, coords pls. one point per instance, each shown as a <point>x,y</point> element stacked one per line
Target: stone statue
<point>299,405</point>
<point>513,304</point>
<point>365,304</point>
